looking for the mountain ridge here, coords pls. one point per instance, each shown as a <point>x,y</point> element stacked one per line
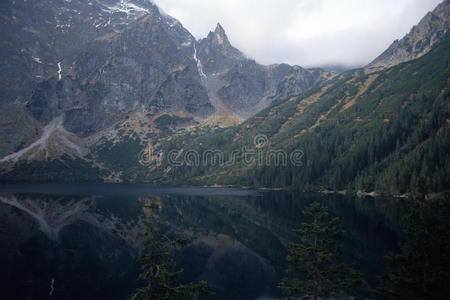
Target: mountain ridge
<point>380,132</point>
<point>419,41</point>
<point>289,105</point>
<point>97,63</point>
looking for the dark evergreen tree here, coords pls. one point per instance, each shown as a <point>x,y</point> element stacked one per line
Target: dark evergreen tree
<point>316,261</point>
<point>422,269</point>
<point>158,269</point>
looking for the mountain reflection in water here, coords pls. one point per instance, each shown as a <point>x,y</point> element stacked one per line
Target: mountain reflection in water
<point>81,241</point>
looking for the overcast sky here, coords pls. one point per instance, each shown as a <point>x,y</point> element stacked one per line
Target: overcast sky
<point>303,32</point>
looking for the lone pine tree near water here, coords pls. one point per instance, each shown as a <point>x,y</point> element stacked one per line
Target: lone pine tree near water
<point>315,261</point>
<point>158,269</point>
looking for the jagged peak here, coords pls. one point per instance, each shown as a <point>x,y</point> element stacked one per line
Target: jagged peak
<point>217,40</point>
<point>219,36</point>
<point>219,30</point>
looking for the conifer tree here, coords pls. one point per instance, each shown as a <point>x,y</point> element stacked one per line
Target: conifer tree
<point>422,269</point>
<point>315,261</point>
<point>158,269</point>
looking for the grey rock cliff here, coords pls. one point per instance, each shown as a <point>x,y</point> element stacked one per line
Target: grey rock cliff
<point>96,61</point>
<point>244,86</point>
<point>92,64</point>
<point>419,41</point>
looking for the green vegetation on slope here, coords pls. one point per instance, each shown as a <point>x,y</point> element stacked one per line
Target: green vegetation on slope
<point>381,132</point>
<point>422,269</point>
<point>158,269</point>
<point>65,169</point>
<point>315,262</point>
<point>372,132</point>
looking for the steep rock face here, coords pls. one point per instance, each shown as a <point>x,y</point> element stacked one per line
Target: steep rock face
<point>244,86</point>
<point>96,61</point>
<point>88,66</point>
<point>216,52</point>
<point>17,126</point>
<point>419,41</point>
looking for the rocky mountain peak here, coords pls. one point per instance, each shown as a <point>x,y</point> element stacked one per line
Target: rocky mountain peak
<point>220,35</point>
<point>219,29</point>
<point>219,39</point>
<point>79,69</point>
<point>239,86</point>
<point>217,49</point>
<point>419,41</point>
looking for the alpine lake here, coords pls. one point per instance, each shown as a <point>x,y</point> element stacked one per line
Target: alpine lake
<point>82,241</point>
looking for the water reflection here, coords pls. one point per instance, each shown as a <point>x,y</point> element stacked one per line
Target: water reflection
<point>51,215</point>
<point>74,244</point>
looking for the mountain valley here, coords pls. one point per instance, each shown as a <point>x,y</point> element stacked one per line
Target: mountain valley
<point>107,80</point>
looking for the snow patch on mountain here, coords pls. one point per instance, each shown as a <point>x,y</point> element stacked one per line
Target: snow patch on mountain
<point>37,59</point>
<point>127,7</point>
<point>172,22</point>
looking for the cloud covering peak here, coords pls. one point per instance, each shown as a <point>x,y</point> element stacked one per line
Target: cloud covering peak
<point>303,32</point>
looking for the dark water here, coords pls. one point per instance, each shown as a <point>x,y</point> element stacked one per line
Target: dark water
<point>81,241</point>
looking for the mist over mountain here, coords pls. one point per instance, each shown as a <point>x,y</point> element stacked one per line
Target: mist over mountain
<point>87,86</point>
<point>137,157</point>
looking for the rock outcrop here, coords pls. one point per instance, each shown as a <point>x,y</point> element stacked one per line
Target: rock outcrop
<point>92,64</point>
<point>418,42</point>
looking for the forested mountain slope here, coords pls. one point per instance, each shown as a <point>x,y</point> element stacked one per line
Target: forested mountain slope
<point>378,132</point>
<point>381,132</point>
<point>374,131</point>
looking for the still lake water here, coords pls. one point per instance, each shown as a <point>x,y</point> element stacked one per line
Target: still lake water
<point>80,241</point>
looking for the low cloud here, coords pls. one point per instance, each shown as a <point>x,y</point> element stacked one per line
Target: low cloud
<point>304,32</point>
